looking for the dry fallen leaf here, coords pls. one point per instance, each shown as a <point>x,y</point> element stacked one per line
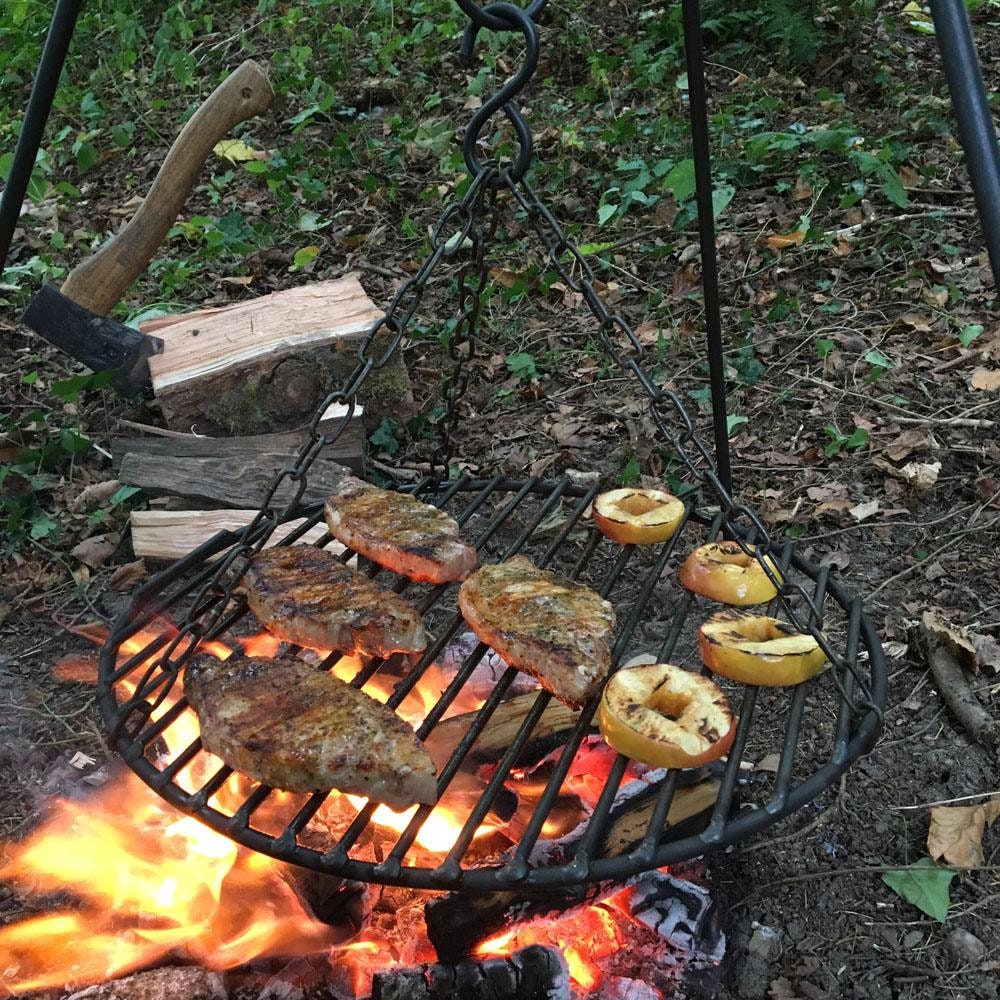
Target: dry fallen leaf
<point>955,638</point>
<point>93,496</point>
<point>237,151</point>
<point>987,379</point>
<point>781,241</point>
<point>129,576</point>
<point>956,832</point>
<point>920,322</point>
<point>769,763</point>
<point>907,442</point>
<point>96,550</point>
<point>864,510</point>
<point>921,475</point>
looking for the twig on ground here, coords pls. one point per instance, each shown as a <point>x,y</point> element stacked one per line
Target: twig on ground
<point>941,213</point>
<point>957,694</point>
<point>895,578</point>
<point>949,802</point>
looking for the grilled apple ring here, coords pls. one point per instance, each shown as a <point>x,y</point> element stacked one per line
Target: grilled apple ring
<point>755,649</point>
<point>724,572</point>
<point>665,716</point>
<point>637,517</point>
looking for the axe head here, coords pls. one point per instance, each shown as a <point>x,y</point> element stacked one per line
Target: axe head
<point>99,342</point>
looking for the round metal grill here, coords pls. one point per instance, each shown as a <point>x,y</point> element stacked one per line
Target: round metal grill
<point>816,728</point>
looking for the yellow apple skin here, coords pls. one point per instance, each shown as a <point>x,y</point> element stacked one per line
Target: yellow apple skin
<point>665,716</point>
<point>755,649</point>
<point>637,517</point>
<point>725,573</point>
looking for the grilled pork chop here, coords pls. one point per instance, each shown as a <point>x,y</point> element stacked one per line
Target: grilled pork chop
<point>538,621</point>
<point>294,727</point>
<point>399,532</point>
<point>307,595</point>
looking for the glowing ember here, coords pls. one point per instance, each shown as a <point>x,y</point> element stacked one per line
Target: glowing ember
<point>150,885</point>
<point>584,936</point>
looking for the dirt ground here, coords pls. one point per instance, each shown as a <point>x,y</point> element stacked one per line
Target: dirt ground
<point>815,878</point>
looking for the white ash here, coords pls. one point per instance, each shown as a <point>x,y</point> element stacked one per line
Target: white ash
<point>488,671</point>
<point>623,988</point>
<point>680,912</point>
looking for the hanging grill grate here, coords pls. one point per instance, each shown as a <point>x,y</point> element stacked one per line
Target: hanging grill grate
<point>816,728</point>
<point>504,517</point>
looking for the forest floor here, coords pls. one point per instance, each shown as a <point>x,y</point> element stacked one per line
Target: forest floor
<point>863,352</point>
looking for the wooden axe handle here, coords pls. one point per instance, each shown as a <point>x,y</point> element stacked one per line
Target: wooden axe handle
<point>101,280</point>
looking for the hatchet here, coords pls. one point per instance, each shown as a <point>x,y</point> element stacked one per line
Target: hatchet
<point>74,318</point>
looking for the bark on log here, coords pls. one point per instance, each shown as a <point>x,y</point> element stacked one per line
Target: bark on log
<point>533,973</point>
<point>348,449</point>
<point>239,482</point>
<point>264,365</point>
<point>171,534</point>
<point>458,922</point>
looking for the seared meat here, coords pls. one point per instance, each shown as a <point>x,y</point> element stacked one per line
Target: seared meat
<point>294,727</point>
<point>307,595</point>
<point>399,532</point>
<point>538,621</point>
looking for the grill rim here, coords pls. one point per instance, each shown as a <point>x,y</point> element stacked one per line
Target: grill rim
<point>721,831</point>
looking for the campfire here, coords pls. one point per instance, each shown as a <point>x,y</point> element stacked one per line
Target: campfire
<point>150,887</point>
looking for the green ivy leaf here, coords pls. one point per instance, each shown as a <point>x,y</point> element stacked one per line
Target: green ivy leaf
<point>925,886</point>
<point>823,348</point>
<point>721,197</point>
<point>681,179</point>
<point>384,437</point>
<point>631,472</point>
<point>970,333</point>
<point>304,257</point>
<point>121,494</point>
<point>522,365</point>
<point>733,421</point>
<point>605,212</point>
<point>857,439</point>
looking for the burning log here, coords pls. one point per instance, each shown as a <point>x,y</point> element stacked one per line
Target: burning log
<point>533,973</point>
<point>551,731</point>
<point>458,922</point>
<point>181,983</point>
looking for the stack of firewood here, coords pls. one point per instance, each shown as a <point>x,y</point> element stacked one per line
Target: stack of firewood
<point>237,387</point>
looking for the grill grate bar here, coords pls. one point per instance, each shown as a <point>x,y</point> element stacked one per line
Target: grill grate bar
<point>845,708</point>
<point>499,776</point>
<point>664,799</point>
<point>517,868</point>
<point>599,818</point>
<point>720,815</point>
<point>783,778</point>
<point>182,760</point>
<point>398,852</point>
<point>363,818</point>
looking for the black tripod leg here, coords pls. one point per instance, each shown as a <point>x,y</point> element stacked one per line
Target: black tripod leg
<point>975,124</point>
<point>37,114</point>
<point>706,232</point>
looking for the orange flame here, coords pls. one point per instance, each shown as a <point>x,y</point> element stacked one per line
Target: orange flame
<point>151,884</point>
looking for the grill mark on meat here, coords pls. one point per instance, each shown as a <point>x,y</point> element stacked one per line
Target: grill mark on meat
<point>293,727</point>
<point>542,623</point>
<point>308,596</point>
<point>399,532</point>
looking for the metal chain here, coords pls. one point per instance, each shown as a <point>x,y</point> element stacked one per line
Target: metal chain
<point>456,230</point>
<point>473,279</point>
<point>739,522</point>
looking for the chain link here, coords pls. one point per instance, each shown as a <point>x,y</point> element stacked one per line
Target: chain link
<point>739,522</point>
<point>617,338</point>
